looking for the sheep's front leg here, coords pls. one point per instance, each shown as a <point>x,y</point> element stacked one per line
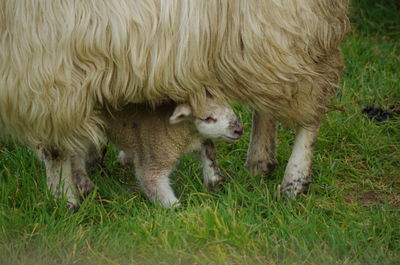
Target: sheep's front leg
<point>298,170</point>
<point>261,155</point>
<point>155,183</point>
<point>59,175</point>
<point>211,175</point>
<point>80,178</point>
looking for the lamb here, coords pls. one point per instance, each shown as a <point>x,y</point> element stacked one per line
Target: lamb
<point>155,140</point>
<point>63,61</point>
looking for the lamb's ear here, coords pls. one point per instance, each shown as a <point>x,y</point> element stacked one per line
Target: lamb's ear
<point>181,113</point>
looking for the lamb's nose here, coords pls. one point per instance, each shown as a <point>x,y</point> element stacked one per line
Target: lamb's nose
<point>238,128</point>
<point>238,131</point>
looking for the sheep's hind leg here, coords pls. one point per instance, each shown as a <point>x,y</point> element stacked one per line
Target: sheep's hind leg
<point>211,174</point>
<point>59,175</point>
<point>261,155</point>
<point>298,170</point>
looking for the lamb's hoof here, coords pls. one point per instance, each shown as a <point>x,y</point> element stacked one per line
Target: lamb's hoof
<point>171,204</point>
<point>73,206</point>
<point>213,186</point>
<point>176,205</point>
<point>214,183</point>
<point>260,167</point>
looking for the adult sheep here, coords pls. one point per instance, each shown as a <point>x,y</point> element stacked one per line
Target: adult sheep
<point>62,61</point>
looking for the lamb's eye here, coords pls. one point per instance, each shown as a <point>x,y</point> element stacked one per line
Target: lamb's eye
<point>209,119</point>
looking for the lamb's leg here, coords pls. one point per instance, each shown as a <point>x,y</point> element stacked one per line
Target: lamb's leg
<point>155,183</point>
<point>80,178</point>
<point>211,175</point>
<point>298,170</point>
<point>59,175</point>
<point>261,155</point>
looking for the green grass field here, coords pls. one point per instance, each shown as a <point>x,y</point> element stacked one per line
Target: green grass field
<point>350,216</point>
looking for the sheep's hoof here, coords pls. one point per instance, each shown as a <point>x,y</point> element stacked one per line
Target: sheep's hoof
<point>260,167</point>
<point>86,188</point>
<point>294,188</point>
<point>72,202</point>
<point>83,184</point>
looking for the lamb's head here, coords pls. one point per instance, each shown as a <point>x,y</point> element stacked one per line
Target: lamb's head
<point>216,121</point>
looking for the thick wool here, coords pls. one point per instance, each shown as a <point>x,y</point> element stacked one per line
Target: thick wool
<point>62,61</point>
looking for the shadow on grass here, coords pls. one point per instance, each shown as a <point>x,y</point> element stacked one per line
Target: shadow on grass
<point>376,18</point>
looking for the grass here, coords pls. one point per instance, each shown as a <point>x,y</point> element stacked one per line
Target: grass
<point>350,216</point>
